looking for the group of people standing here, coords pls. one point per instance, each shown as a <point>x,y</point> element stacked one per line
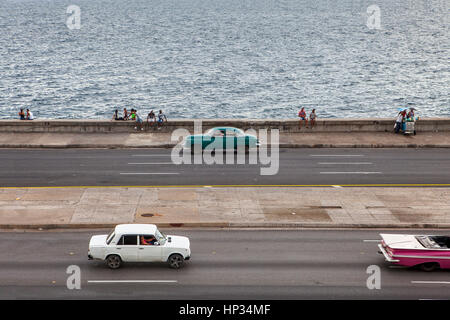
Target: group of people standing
<point>402,117</point>
<point>152,118</point>
<point>302,116</point>
<point>26,116</point>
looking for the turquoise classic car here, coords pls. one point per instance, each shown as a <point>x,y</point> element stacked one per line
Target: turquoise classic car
<point>221,138</point>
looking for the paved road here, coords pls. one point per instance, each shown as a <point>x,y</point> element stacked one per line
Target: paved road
<point>153,167</point>
<point>226,264</point>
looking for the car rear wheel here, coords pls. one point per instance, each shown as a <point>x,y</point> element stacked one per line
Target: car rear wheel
<point>429,266</point>
<point>176,261</point>
<point>113,261</point>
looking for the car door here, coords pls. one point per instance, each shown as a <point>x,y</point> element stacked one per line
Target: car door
<point>149,252</point>
<point>217,140</point>
<point>231,139</point>
<point>127,247</point>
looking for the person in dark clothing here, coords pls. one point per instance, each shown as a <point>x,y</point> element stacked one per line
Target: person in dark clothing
<point>21,114</point>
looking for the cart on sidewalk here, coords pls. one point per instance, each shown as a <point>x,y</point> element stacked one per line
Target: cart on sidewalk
<point>408,121</point>
<point>410,127</point>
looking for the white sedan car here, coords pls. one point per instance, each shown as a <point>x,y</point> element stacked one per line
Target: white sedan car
<point>139,243</point>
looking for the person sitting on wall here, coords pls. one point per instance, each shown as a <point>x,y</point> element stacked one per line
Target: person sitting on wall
<point>30,115</point>
<point>302,116</point>
<point>116,115</point>
<point>21,114</point>
<point>161,119</point>
<point>133,114</point>
<point>151,118</point>
<point>138,120</point>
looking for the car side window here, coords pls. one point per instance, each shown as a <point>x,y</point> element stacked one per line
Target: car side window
<point>128,240</point>
<point>218,133</point>
<point>147,240</point>
<point>231,133</point>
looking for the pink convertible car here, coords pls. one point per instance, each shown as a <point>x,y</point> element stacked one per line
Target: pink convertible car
<point>426,252</point>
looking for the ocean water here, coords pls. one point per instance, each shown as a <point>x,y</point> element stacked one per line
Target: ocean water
<point>224,58</point>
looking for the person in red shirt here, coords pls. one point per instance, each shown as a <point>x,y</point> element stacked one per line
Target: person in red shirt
<point>149,240</point>
<point>302,116</point>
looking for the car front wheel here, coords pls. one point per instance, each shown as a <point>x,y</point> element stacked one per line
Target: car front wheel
<point>113,261</point>
<point>176,261</point>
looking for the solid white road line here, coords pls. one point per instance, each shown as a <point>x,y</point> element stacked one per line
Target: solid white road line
<point>132,281</point>
<point>349,172</point>
<point>431,282</point>
<point>137,173</point>
<point>145,163</point>
<point>151,155</point>
<point>336,155</point>
<point>334,163</point>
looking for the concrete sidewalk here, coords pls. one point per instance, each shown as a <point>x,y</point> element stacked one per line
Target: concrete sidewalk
<point>328,207</point>
<point>163,140</point>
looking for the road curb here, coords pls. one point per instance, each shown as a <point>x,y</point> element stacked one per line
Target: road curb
<point>84,146</point>
<point>169,145</point>
<point>237,225</point>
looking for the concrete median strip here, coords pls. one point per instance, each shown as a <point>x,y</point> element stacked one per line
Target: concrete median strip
<point>225,207</point>
<point>350,133</point>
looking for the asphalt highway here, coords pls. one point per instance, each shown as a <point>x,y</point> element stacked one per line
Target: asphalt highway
<point>153,167</point>
<point>225,264</point>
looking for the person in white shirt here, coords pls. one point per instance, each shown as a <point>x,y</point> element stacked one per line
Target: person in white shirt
<point>312,118</point>
<point>29,115</point>
<point>398,123</point>
<point>139,122</point>
<point>161,118</point>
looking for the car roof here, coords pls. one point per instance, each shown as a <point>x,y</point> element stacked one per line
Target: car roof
<point>226,128</point>
<point>135,229</point>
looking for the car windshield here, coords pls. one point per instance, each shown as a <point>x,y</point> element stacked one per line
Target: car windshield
<point>441,241</point>
<point>238,133</point>
<point>110,237</point>
<point>160,236</point>
<point>427,242</point>
<point>216,133</point>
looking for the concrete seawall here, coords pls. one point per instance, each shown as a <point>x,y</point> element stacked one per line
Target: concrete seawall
<point>285,126</point>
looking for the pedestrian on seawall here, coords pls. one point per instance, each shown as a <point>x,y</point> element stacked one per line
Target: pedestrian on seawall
<point>312,118</point>
<point>302,116</point>
<point>116,115</point>
<point>161,119</point>
<point>21,114</point>
<point>139,122</point>
<point>151,119</point>
<point>399,121</point>
<point>30,115</point>
<point>133,114</point>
